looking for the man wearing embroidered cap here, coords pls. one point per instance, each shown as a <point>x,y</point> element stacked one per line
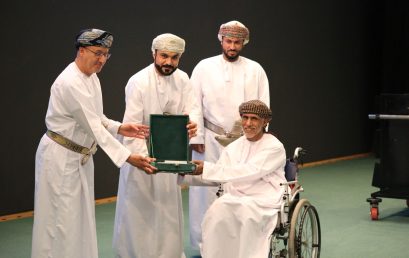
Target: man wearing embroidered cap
<point>220,84</point>
<point>149,214</point>
<point>240,222</point>
<point>64,220</point>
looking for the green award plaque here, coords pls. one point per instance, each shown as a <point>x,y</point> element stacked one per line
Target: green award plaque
<point>169,143</point>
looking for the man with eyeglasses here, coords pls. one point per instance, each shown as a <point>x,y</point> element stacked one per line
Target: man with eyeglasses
<point>64,212</point>
<point>149,214</point>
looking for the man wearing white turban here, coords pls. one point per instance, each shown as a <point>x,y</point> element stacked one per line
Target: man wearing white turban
<point>220,84</point>
<point>149,214</point>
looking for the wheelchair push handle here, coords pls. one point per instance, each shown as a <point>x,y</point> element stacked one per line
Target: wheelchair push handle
<point>299,153</point>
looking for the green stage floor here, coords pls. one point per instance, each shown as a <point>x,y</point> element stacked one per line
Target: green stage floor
<point>338,190</point>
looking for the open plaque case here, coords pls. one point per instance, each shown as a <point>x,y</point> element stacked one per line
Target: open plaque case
<point>169,143</point>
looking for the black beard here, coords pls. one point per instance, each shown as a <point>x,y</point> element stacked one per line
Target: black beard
<point>159,69</point>
<point>231,58</point>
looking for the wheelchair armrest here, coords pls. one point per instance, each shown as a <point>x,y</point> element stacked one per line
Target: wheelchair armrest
<point>297,188</point>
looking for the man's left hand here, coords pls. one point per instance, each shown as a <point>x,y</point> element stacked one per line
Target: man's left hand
<point>191,129</point>
<point>134,130</point>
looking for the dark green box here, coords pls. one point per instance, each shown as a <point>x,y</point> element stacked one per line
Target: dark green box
<point>169,143</point>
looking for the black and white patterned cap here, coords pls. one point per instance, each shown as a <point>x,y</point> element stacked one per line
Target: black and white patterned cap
<point>94,37</point>
<point>256,107</point>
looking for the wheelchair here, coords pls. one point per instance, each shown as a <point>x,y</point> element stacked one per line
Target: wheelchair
<point>297,233</point>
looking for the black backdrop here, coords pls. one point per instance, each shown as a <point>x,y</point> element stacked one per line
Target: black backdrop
<point>326,60</point>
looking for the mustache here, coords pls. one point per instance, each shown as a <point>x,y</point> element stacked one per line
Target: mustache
<point>168,66</point>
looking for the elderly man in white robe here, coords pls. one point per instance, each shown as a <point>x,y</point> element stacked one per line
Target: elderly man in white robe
<point>64,212</point>
<point>149,214</point>
<point>220,84</point>
<point>240,222</point>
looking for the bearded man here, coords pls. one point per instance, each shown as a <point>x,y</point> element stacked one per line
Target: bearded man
<point>220,84</point>
<point>149,214</point>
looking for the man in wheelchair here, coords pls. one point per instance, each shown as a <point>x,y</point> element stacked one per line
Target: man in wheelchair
<point>239,223</point>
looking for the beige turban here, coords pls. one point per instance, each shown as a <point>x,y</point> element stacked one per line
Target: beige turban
<point>94,37</point>
<point>168,42</point>
<point>256,107</point>
<point>234,29</point>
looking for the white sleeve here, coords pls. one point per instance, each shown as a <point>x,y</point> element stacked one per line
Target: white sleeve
<point>134,103</point>
<point>187,97</point>
<point>111,125</point>
<point>268,160</point>
<point>196,114</point>
<point>264,89</point>
<point>85,114</point>
<point>134,113</point>
<point>192,180</point>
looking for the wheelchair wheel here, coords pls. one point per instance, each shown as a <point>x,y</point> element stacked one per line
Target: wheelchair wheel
<point>305,233</point>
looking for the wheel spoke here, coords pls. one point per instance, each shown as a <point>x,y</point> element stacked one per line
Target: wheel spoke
<point>304,237</point>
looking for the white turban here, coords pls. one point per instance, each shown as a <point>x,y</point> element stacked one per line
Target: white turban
<point>234,29</point>
<point>168,42</point>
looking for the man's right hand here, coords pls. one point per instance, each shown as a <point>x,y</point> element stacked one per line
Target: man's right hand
<point>198,147</point>
<point>199,167</point>
<point>143,163</point>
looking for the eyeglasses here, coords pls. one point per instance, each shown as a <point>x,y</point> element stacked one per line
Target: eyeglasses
<point>99,53</point>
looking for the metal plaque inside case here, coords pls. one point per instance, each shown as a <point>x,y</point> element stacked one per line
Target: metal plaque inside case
<point>169,143</point>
